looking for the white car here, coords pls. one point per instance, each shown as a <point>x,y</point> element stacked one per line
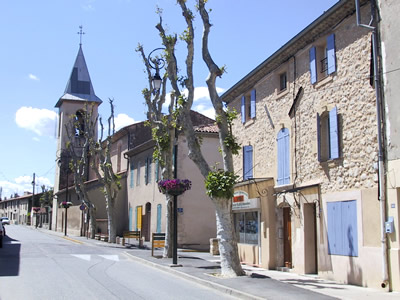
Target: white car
<point>5,221</point>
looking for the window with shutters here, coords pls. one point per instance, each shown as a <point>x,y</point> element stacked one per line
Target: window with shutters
<point>131,174</point>
<point>328,135</point>
<point>247,162</point>
<point>342,228</point>
<point>322,58</point>
<point>283,141</point>
<point>147,172</point>
<point>248,106</point>
<point>138,173</point>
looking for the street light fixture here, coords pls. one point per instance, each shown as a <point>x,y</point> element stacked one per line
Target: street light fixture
<point>63,164</point>
<point>156,62</point>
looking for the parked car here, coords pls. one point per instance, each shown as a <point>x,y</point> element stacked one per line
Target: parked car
<point>5,220</point>
<point>2,233</point>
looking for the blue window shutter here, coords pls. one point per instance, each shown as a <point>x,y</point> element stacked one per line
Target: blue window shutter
<point>349,228</point>
<point>158,218</point>
<point>283,157</point>
<point>313,65</point>
<point>247,162</point>
<point>130,218</point>
<point>131,174</point>
<point>319,136</point>
<point>331,53</point>
<point>243,109</point>
<point>157,170</point>
<point>149,161</point>
<point>136,217</point>
<point>333,134</point>
<point>253,104</point>
<point>335,242</point>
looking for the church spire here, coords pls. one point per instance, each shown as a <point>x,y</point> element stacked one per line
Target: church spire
<point>79,86</point>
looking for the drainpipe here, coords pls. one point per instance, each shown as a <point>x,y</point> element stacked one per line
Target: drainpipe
<point>381,173</point>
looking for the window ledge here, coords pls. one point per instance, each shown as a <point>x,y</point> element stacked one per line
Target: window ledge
<point>331,163</point>
<point>282,93</point>
<point>249,123</point>
<point>324,81</point>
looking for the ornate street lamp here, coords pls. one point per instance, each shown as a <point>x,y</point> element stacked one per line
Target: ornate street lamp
<point>156,62</point>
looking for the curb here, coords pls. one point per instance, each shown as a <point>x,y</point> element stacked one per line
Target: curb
<point>206,283</point>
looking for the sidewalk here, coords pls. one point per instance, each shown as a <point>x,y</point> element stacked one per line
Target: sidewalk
<point>203,268</point>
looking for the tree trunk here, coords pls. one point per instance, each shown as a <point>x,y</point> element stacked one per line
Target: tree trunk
<point>169,232</point>
<point>111,224</point>
<point>230,263</point>
<point>93,222</point>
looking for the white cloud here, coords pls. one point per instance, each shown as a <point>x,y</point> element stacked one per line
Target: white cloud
<point>40,121</point>
<point>33,77</point>
<point>23,184</point>
<point>88,5</point>
<point>206,110</point>
<point>122,120</point>
<point>200,94</point>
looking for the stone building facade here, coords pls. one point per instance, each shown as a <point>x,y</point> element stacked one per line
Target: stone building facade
<point>308,200</point>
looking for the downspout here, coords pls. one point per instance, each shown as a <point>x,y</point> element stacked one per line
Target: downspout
<point>381,173</point>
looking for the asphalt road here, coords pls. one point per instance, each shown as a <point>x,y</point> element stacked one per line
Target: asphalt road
<point>38,265</point>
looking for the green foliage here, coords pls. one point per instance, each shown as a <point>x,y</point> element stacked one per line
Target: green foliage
<point>47,198</point>
<point>219,184</point>
<point>230,141</point>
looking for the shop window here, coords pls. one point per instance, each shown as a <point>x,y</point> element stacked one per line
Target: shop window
<point>283,141</point>
<point>322,59</point>
<point>248,106</point>
<point>246,227</point>
<point>328,135</point>
<point>342,228</point>
<point>247,162</point>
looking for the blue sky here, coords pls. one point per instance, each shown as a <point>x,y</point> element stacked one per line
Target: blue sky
<point>40,44</point>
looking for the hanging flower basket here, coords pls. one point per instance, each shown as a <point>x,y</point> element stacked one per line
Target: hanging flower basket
<point>65,204</point>
<point>174,187</point>
<point>36,209</point>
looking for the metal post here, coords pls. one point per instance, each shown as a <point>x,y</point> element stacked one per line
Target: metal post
<point>175,250</point>
<point>66,208</point>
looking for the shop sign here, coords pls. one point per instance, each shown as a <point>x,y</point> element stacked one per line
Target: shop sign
<point>241,201</point>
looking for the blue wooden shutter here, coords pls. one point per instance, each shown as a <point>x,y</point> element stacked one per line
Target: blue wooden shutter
<point>243,109</point>
<point>247,162</point>
<point>319,136</point>
<point>157,170</point>
<point>313,65</point>
<point>333,134</point>
<point>130,218</point>
<point>253,104</point>
<point>283,157</point>
<point>158,218</point>
<point>138,173</point>
<point>149,161</point>
<point>349,228</point>
<point>146,171</point>
<point>131,174</point>
<point>136,218</point>
<point>335,241</point>
<point>331,53</point>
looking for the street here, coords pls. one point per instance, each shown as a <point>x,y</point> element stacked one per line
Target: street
<point>39,265</point>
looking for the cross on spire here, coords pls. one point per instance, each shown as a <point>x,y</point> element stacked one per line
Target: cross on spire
<point>80,33</point>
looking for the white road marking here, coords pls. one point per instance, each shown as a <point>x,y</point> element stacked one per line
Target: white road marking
<point>110,257</point>
<point>82,256</point>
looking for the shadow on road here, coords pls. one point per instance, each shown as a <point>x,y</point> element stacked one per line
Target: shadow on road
<point>10,257</point>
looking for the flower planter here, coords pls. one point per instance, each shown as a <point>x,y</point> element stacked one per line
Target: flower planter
<point>174,187</point>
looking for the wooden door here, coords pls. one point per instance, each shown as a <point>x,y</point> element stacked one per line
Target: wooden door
<point>287,237</point>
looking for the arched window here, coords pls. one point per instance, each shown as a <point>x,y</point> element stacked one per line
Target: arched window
<point>79,123</point>
<point>283,157</point>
